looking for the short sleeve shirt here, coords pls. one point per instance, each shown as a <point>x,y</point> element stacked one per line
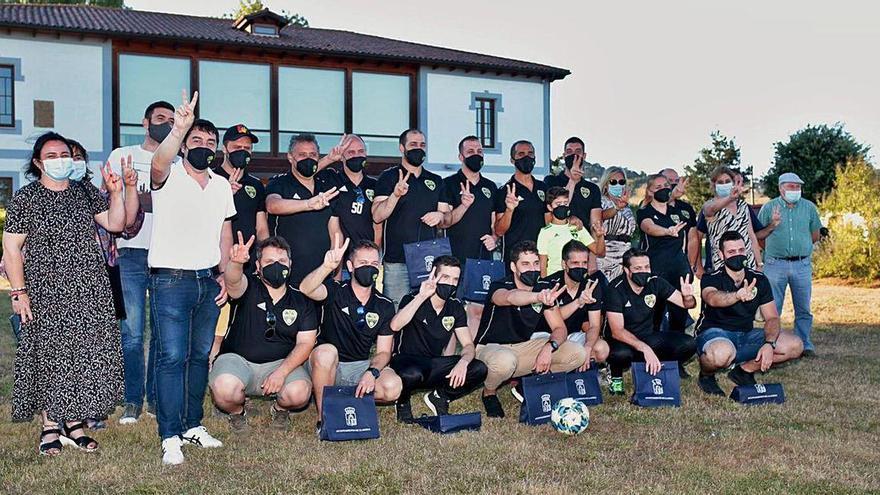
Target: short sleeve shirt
<point>528,217</point>
<point>584,199</point>
<point>553,237</point>
<point>354,207</point>
<point>662,247</point>
<point>405,225</point>
<point>794,235</point>
<point>739,317</point>
<point>637,309</point>
<point>509,324</point>
<point>428,332</point>
<point>249,200</point>
<point>350,326</point>
<point>575,322</point>
<point>464,236</point>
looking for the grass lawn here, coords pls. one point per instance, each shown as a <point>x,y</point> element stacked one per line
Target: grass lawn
<point>823,440</point>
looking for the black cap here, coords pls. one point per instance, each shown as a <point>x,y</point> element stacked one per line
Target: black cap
<point>237,131</point>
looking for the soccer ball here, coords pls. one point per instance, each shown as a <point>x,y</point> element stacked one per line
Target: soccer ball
<point>570,416</point>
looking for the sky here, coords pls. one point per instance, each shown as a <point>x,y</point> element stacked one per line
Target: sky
<point>650,80</point>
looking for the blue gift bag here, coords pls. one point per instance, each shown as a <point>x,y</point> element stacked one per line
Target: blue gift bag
<point>345,417</point>
<point>759,393</point>
<point>477,276</point>
<point>584,386</point>
<point>540,394</point>
<point>420,255</point>
<point>451,423</point>
<point>662,389</point>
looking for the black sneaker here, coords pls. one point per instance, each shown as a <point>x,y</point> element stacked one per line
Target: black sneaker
<point>740,376</point>
<point>404,412</point>
<point>808,353</point>
<point>709,385</point>
<point>493,406</point>
<point>682,372</point>
<point>438,404</point>
<point>318,426</point>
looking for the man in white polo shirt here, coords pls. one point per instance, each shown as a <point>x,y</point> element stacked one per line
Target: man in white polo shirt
<point>192,237</point>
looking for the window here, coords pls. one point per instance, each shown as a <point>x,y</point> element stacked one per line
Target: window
<point>486,121</point>
<point>311,101</point>
<point>236,93</point>
<point>264,29</point>
<point>380,110</point>
<point>7,96</point>
<point>144,80</point>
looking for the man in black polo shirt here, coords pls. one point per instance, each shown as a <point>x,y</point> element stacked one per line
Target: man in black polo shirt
<point>630,304</point>
<point>469,223</point>
<point>271,334</point>
<point>426,322</point>
<point>409,200</point>
<point>519,205</point>
<point>298,206</point>
<point>356,317</point>
<point>351,213</point>
<point>585,198</point>
<point>515,306</point>
<point>580,304</point>
<point>732,295</point>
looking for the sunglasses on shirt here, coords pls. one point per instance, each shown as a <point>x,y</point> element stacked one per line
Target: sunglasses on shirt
<point>270,324</point>
<point>361,322</point>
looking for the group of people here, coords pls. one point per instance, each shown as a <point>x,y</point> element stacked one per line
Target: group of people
<point>295,267</point>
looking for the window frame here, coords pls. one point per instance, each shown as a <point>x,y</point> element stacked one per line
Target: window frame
<point>478,99</point>
<point>11,124</point>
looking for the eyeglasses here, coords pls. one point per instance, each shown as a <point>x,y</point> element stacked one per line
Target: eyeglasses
<point>361,321</point>
<point>270,324</point>
<point>616,182</point>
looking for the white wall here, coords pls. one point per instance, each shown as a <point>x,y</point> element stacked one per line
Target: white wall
<point>76,76</point>
<point>445,98</point>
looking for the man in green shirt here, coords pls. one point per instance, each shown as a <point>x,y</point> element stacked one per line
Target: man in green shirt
<point>788,251</point>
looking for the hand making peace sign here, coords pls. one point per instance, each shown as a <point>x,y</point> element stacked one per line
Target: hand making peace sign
<point>402,186</point>
<point>240,252</point>
<point>185,114</point>
<point>467,197</point>
<point>336,254</point>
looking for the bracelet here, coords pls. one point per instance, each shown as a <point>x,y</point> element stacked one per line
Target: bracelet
<point>17,289</point>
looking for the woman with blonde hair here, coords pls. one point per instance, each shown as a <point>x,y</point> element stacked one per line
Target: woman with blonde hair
<point>620,223</point>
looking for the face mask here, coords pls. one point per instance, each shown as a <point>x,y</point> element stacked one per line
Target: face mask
<point>640,278</point>
<point>578,274</point>
<point>366,275</point>
<point>58,168</point>
<point>240,158</point>
<point>79,170</point>
<point>616,190</point>
<point>724,190</point>
<point>356,163</point>
<point>736,263</point>
<point>663,195</point>
<point>561,212</point>
<point>445,291</point>
<point>530,278</point>
<point>307,167</point>
<point>791,196</point>
<point>525,164</point>
<point>200,158</point>
<point>275,274</point>
<point>474,163</point>
<point>415,157</point>
<point>158,132</point>
<point>569,161</point>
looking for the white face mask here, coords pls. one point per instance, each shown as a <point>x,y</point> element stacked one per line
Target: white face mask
<point>724,190</point>
<point>791,196</point>
<point>79,170</point>
<point>58,168</point>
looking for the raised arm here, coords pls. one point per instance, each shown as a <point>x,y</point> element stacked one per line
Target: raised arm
<point>113,220</point>
<point>277,205</point>
<point>685,297</point>
<point>383,206</point>
<point>454,215</point>
<point>239,254</point>
<point>312,286</point>
<point>511,201</point>
<point>406,313</point>
<point>168,149</point>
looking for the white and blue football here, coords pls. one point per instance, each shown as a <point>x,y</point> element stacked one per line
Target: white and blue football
<point>570,416</point>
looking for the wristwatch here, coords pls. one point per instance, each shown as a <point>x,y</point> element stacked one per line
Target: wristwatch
<point>772,343</point>
<point>374,371</point>
<point>553,345</point>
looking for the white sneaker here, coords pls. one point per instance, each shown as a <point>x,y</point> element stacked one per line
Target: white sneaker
<point>198,435</point>
<point>171,453</point>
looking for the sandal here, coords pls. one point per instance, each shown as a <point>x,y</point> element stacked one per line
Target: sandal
<point>82,442</point>
<point>54,447</point>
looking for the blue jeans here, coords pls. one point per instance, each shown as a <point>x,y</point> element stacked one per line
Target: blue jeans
<point>135,277</point>
<point>184,316</point>
<point>395,282</point>
<point>747,344</point>
<point>798,275</point>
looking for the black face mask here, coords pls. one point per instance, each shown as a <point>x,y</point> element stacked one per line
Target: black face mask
<point>640,278</point>
<point>445,291</point>
<point>240,158</point>
<point>474,163</point>
<point>307,167</point>
<point>275,274</point>
<point>569,161</point>
<point>365,275</point>
<point>525,164</point>
<point>578,274</point>
<point>530,278</point>
<point>561,212</point>
<point>415,156</point>
<point>663,195</point>
<point>200,158</point>
<point>158,132</point>
<point>736,263</point>
<point>356,163</point>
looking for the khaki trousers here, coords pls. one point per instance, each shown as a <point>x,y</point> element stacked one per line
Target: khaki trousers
<point>506,361</point>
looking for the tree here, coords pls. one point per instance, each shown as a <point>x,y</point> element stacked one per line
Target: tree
<point>814,153</point>
<point>247,7</point>
<point>722,151</point>
<point>97,3</point>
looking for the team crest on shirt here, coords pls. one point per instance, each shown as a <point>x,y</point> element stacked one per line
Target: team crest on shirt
<point>430,184</point>
<point>686,214</point>
<point>372,319</point>
<point>537,307</point>
<point>541,195</point>
<point>289,316</point>
<point>675,218</point>
<point>369,193</point>
<point>650,299</point>
<point>447,322</point>
<point>585,192</point>
<point>251,191</point>
<point>487,192</point>
<point>754,292</point>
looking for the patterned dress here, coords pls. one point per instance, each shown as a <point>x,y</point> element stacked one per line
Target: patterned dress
<point>618,238</point>
<point>69,360</point>
<point>725,220</point>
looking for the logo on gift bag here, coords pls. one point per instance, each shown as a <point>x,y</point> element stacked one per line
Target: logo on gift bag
<point>650,299</point>
<point>429,263</point>
<point>545,403</point>
<point>487,281</point>
<point>581,388</point>
<point>351,418</point>
<point>761,389</point>
<point>657,385</point>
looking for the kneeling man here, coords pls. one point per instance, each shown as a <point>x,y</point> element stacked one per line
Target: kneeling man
<point>271,334</point>
<point>356,317</point>
<point>732,295</point>
<point>426,322</point>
